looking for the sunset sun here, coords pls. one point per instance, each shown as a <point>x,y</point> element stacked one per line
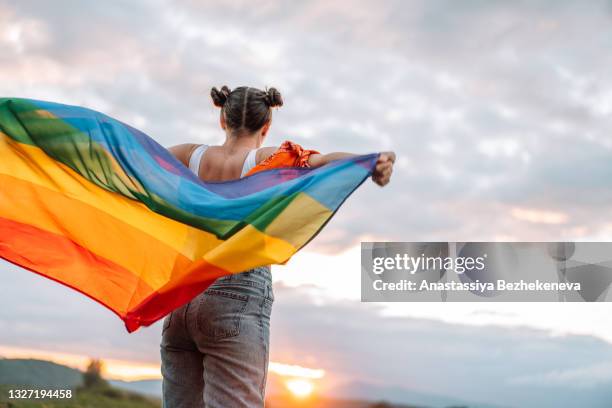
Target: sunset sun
<point>300,388</point>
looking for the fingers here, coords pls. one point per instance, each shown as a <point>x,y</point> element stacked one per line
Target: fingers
<point>386,157</point>
<point>382,167</point>
<point>383,176</point>
<point>391,156</point>
<point>381,181</point>
<point>386,171</point>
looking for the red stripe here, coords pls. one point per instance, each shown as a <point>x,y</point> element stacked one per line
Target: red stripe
<point>62,260</point>
<point>174,295</point>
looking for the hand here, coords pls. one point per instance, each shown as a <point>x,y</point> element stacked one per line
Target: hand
<point>384,168</point>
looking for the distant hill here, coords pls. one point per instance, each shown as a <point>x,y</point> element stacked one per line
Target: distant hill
<point>360,390</point>
<point>146,387</point>
<point>38,373</point>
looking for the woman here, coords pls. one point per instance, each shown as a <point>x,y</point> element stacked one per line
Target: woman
<point>215,348</point>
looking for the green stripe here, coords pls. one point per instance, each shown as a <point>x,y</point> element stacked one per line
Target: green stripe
<point>268,212</point>
<point>63,142</point>
<point>11,126</point>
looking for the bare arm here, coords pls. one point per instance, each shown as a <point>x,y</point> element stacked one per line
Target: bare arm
<point>317,160</point>
<point>381,174</point>
<point>182,152</point>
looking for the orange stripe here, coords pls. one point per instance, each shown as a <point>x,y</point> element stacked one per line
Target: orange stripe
<point>30,164</point>
<point>99,232</point>
<point>58,258</point>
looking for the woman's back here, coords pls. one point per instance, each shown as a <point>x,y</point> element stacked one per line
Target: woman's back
<point>220,163</point>
<point>217,163</point>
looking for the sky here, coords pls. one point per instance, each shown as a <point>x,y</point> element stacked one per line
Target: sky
<point>499,113</point>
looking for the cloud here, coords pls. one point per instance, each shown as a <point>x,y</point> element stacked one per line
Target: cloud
<point>489,106</point>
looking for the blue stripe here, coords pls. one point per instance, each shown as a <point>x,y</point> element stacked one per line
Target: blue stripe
<point>231,200</point>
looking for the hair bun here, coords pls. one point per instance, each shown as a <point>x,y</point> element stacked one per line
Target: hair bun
<point>274,98</point>
<point>219,97</point>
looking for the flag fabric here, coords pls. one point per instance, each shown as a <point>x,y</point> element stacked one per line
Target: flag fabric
<point>99,206</point>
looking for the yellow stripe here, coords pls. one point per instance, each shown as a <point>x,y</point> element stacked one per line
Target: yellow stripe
<point>289,225</point>
<point>29,163</point>
<point>248,248</point>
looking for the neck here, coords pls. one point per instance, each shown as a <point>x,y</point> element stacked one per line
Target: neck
<point>233,142</point>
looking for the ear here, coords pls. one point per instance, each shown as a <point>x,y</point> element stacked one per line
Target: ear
<point>222,120</point>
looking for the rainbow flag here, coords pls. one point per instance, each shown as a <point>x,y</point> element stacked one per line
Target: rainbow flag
<point>99,206</point>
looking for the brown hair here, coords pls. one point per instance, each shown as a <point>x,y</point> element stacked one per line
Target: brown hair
<point>245,108</point>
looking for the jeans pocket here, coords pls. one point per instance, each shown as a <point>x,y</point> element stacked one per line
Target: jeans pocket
<point>220,313</point>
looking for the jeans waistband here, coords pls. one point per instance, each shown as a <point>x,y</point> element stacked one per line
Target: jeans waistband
<point>260,277</point>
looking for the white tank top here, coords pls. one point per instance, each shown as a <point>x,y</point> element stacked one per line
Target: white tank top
<point>196,159</point>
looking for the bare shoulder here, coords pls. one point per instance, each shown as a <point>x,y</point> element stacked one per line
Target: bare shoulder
<point>183,151</point>
<point>264,152</point>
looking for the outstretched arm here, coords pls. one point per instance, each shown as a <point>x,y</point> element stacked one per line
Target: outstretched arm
<point>382,172</point>
<point>314,160</point>
<point>182,152</point>
<point>317,160</point>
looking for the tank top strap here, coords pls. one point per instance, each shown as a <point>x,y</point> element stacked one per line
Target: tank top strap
<point>249,162</point>
<point>196,158</point>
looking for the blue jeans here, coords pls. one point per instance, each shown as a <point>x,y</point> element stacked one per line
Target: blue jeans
<point>215,349</point>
